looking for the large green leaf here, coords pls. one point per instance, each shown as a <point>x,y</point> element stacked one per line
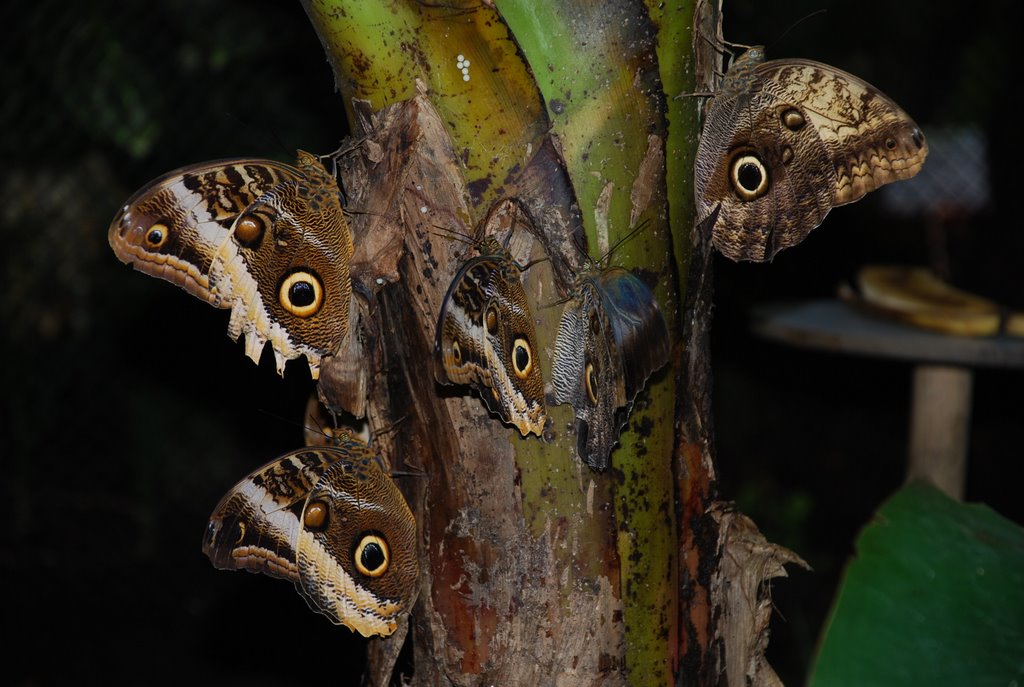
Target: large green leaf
<point>935,596</point>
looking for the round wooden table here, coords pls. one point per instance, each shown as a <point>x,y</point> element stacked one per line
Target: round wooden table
<point>942,379</point>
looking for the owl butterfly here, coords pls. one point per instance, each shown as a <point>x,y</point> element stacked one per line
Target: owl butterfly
<point>330,520</point>
<point>784,141</point>
<point>265,239</point>
<point>611,338</point>
<point>485,334</point>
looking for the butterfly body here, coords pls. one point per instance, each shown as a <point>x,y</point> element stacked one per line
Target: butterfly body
<point>786,140</point>
<point>611,338</point>
<point>333,523</point>
<point>267,240</point>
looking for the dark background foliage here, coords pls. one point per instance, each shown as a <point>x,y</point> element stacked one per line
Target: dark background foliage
<point>126,412</point>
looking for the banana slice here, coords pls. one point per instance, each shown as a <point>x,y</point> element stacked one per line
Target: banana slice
<point>916,296</point>
<point>1014,325</point>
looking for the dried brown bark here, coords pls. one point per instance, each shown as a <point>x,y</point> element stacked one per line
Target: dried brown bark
<point>516,592</point>
<point>507,596</point>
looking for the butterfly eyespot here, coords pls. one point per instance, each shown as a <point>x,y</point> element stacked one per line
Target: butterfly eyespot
<point>890,143</point>
<point>314,517</point>
<point>491,320</point>
<point>372,556</point>
<point>749,176</point>
<point>249,231</point>
<point>591,381</point>
<point>522,358</point>
<point>301,293</point>
<point>456,352</point>
<point>157,235</point>
<point>792,119</point>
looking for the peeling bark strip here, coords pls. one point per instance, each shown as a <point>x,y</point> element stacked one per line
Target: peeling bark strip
<point>741,586</point>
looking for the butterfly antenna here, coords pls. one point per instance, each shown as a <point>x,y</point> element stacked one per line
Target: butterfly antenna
<point>720,46</point>
<point>318,429</point>
<point>560,301</point>
<point>364,213</point>
<point>741,46</point>
<point>523,268</point>
<point>399,473</point>
<point>800,21</point>
<point>334,422</point>
<point>632,232</point>
<point>721,50</point>
<point>393,427</point>
<point>264,131</point>
<point>453,235</point>
<point>280,418</point>
<point>408,473</point>
<point>347,146</point>
<point>579,239</point>
<point>699,94</point>
<point>350,212</point>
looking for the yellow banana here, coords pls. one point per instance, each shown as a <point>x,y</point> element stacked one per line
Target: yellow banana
<point>916,296</point>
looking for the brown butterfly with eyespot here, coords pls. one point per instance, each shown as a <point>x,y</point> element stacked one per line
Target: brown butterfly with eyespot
<point>485,334</point>
<point>330,520</point>
<point>786,140</point>
<point>611,338</point>
<point>265,239</point>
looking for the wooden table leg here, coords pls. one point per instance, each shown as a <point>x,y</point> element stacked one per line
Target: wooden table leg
<point>940,425</point>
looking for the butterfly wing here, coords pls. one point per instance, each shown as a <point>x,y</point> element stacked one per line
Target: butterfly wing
<point>356,551</point>
<point>786,140</point>
<point>610,339</point>
<point>588,375</point>
<point>486,339</point>
<point>255,526</point>
<point>636,326</point>
<point>870,140</point>
<point>267,240</point>
<point>459,339</point>
<point>331,521</point>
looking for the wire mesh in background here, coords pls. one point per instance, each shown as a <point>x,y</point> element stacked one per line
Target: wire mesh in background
<point>121,413</point>
<point>126,412</point>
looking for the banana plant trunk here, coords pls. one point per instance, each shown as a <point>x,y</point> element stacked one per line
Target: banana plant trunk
<point>537,569</point>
